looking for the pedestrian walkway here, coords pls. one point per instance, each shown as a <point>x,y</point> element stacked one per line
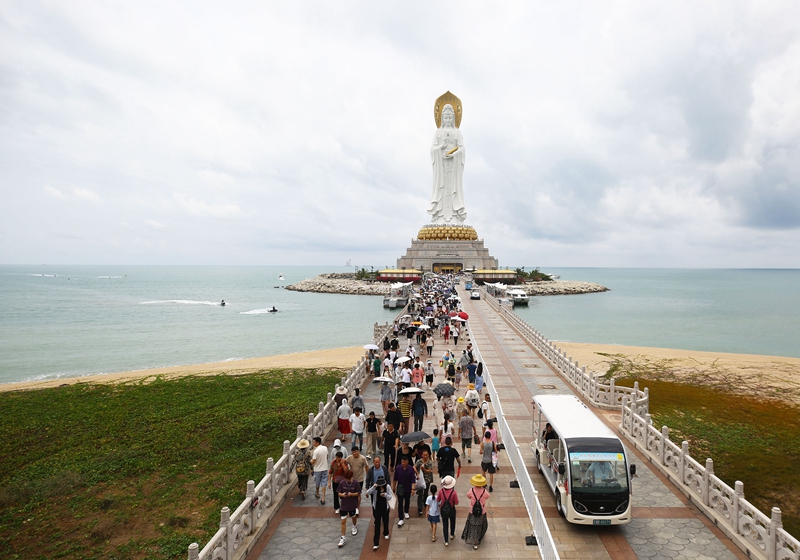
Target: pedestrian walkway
<point>664,525</point>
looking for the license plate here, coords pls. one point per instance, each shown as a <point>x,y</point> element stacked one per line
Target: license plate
<point>601,522</point>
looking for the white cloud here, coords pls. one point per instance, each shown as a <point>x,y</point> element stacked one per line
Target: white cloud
<point>611,134</point>
<point>86,194</point>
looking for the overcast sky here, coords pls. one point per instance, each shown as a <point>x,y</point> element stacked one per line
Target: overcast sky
<point>597,134</point>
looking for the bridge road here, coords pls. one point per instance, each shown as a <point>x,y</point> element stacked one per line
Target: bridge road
<point>665,525</point>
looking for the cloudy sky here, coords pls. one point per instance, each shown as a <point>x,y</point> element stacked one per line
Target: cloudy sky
<point>597,134</point>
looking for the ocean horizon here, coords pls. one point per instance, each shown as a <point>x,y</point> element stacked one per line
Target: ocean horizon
<point>73,320</point>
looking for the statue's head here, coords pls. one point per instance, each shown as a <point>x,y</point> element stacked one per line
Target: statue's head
<point>448,116</point>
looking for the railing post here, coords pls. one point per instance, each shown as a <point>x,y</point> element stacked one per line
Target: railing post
<point>635,398</point>
<point>625,422</point>
<point>271,483</point>
<point>612,397</point>
<point>317,431</point>
<point>684,454</point>
<point>664,440</point>
<point>299,431</point>
<point>647,397</point>
<point>251,491</point>
<point>737,495</point>
<point>194,551</point>
<point>707,480</point>
<point>225,523</point>
<point>775,523</point>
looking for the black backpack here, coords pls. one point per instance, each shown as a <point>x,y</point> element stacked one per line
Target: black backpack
<point>477,508</point>
<point>447,507</point>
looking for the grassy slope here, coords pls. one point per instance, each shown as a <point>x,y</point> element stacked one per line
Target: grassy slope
<point>752,439</point>
<point>140,470</point>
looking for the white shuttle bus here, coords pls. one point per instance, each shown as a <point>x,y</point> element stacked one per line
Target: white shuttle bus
<point>582,460</point>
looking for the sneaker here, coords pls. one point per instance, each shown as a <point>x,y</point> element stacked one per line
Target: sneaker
<point>400,523</point>
<point>469,459</point>
<point>419,512</point>
<point>386,537</point>
<point>356,511</point>
<point>336,511</point>
<point>375,547</point>
<point>407,516</point>
<point>446,543</point>
<point>355,530</point>
<point>491,489</point>
<point>342,541</point>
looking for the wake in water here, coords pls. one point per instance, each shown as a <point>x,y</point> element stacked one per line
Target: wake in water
<point>179,302</point>
<point>109,276</point>
<point>260,311</point>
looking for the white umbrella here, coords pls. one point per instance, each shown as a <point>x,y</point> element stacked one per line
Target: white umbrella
<point>383,379</point>
<point>412,391</point>
<point>371,347</point>
<point>402,360</point>
<point>424,327</point>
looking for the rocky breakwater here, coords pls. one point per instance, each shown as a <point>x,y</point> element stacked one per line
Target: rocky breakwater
<point>341,283</point>
<point>561,287</point>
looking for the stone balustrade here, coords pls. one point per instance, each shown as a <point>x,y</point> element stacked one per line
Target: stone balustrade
<point>757,534</point>
<point>239,531</point>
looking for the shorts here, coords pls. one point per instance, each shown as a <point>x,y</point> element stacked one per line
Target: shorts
<point>428,379</point>
<point>433,519</point>
<point>466,442</point>
<point>487,467</point>
<point>343,514</point>
<point>320,478</point>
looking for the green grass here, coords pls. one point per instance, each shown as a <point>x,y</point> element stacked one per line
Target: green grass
<point>140,470</point>
<point>752,439</point>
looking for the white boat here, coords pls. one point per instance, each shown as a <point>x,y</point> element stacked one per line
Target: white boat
<point>519,297</point>
<point>280,276</point>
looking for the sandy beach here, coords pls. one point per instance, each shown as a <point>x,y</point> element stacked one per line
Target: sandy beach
<point>333,358</point>
<point>770,376</point>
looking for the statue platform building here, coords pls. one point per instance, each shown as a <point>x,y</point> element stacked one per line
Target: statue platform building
<point>447,244</point>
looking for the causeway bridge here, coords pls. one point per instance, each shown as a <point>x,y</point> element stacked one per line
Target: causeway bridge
<point>670,519</point>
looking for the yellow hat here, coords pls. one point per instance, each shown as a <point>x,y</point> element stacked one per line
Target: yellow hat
<point>460,399</point>
<point>478,480</point>
<point>471,386</point>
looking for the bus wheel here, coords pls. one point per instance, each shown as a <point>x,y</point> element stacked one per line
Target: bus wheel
<point>558,504</point>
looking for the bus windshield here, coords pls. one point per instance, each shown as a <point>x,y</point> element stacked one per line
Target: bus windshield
<point>598,472</point>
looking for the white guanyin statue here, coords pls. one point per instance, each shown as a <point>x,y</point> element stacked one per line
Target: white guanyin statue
<point>447,155</point>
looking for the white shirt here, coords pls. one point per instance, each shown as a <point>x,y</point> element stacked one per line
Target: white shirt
<point>357,423</point>
<point>320,458</point>
<point>406,373</point>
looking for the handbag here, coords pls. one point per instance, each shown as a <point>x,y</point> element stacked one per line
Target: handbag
<point>420,484</point>
<point>476,439</point>
<point>392,501</point>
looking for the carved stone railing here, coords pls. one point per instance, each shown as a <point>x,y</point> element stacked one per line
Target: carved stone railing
<point>239,531</point>
<point>600,393</point>
<point>757,534</point>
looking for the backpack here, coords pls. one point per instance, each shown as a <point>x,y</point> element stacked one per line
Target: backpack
<point>447,507</point>
<point>473,400</point>
<point>300,468</point>
<point>480,413</point>
<point>477,508</point>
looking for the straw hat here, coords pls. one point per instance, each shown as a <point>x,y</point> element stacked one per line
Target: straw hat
<point>471,386</point>
<point>340,390</point>
<point>478,480</point>
<point>449,482</point>
<point>302,444</point>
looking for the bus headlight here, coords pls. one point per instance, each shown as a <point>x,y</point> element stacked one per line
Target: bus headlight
<point>621,508</point>
<point>579,507</point>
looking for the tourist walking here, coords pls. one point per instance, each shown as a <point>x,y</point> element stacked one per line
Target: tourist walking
<point>477,522</point>
<point>358,465</point>
<point>381,495</point>
<point>430,373</point>
<point>339,468</point>
<point>375,471</point>
<point>438,412</point>
<point>419,409</point>
<point>343,413</point>
<point>358,424</point>
<point>302,466</point>
<point>340,396</point>
<point>404,481</point>
<point>479,381</point>
<point>373,425</point>
<point>357,401</point>
<point>389,440</point>
<point>432,511</point>
<point>405,410</point>
<point>424,468</point>
<point>429,344</point>
<point>448,500</point>
<point>387,395</point>
<point>472,398</point>
<point>456,333</point>
<point>446,459</point>
<point>488,451</point>
<point>349,494</point>
<point>319,460</point>
<point>466,430</point>
<point>337,448</point>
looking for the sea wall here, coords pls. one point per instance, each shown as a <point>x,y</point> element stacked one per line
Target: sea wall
<point>339,283</point>
<point>561,287</point>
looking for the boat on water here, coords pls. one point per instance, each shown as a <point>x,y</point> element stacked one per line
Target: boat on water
<point>517,296</point>
<point>280,276</point>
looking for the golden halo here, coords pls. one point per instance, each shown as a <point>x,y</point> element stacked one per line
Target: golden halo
<point>445,99</point>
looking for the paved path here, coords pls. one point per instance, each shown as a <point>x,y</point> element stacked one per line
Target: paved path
<point>665,525</point>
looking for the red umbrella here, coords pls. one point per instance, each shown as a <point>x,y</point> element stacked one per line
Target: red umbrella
<point>463,315</point>
<point>452,314</point>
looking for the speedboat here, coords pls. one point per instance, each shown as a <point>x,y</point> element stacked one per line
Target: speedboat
<point>519,297</point>
<point>280,276</point>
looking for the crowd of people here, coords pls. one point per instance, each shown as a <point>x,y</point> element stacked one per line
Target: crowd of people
<point>391,460</point>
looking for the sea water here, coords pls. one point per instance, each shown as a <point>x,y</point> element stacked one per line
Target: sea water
<point>60,321</point>
<point>740,310</point>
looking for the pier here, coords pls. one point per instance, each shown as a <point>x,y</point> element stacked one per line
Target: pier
<point>668,521</point>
